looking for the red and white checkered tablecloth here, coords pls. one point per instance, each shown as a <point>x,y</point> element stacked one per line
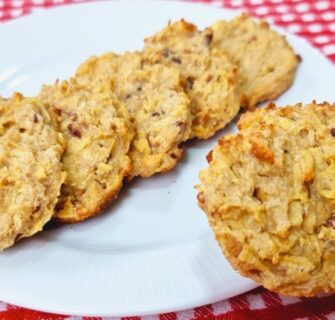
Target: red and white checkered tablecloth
<point>311,19</point>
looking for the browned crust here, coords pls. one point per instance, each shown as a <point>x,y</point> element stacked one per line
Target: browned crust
<point>262,153</point>
<point>83,215</point>
<point>240,268</point>
<point>225,141</point>
<point>111,196</point>
<point>104,201</point>
<point>190,27</point>
<point>246,118</point>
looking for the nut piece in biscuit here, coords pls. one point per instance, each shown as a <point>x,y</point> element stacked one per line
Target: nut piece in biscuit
<point>269,194</point>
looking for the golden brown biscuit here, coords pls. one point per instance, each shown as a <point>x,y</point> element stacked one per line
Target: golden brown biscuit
<point>98,136</point>
<point>269,194</point>
<point>208,77</point>
<point>30,172</point>
<point>156,103</point>
<point>266,62</point>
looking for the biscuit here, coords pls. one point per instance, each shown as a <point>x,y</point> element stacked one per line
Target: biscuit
<point>30,172</point>
<point>158,107</point>
<point>97,135</point>
<point>266,62</point>
<point>269,194</point>
<point>207,74</point>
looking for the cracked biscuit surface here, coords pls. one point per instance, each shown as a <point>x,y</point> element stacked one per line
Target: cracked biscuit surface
<point>269,194</point>
<point>97,135</point>
<point>208,76</point>
<point>30,172</point>
<point>158,107</point>
<point>266,62</point>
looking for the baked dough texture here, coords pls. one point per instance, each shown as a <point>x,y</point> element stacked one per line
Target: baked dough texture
<point>266,62</point>
<point>30,168</point>
<point>208,76</point>
<point>156,102</point>
<point>269,194</point>
<point>98,135</point>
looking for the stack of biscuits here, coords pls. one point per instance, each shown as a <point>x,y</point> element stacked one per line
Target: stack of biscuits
<point>65,153</point>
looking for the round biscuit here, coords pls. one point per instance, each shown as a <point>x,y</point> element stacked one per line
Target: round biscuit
<point>269,194</point>
<point>158,107</point>
<point>207,74</point>
<point>30,172</point>
<point>98,135</point>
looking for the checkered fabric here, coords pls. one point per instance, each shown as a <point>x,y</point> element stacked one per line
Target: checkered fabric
<point>315,21</point>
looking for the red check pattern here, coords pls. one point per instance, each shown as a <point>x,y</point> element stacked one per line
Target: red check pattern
<point>315,21</point>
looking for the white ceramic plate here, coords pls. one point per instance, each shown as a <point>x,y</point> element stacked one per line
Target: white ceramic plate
<point>152,251</point>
